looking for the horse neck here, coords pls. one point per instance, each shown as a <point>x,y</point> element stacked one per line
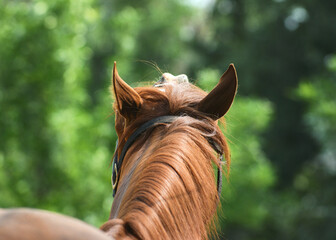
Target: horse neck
<point>167,189</point>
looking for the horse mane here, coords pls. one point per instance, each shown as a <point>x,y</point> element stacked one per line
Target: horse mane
<point>167,187</point>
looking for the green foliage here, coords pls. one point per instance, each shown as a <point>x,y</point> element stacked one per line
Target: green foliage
<point>321,114</point>
<point>251,173</point>
<point>57,136</point>
<point>308,209</point>
<point>48,159</point>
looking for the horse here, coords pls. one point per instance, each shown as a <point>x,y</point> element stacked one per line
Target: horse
<point>34,224</point>
<point>169,141</point>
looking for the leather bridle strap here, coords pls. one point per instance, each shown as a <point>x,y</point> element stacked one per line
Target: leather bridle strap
<point>118,160</point>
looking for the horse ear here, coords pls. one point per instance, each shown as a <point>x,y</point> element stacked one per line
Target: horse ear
<point>127,99</point>
<point>219,100</point>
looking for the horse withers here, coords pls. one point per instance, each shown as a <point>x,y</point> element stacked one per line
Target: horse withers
<point>33,224</point>
<point>163,179</point>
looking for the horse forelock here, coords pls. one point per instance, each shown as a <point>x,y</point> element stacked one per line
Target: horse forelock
<point>174,100</point>
<point>167,183</point>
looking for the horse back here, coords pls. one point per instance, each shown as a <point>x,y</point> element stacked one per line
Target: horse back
<point>33,224</point>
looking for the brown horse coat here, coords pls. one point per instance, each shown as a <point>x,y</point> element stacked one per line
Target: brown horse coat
<point>33,224</point>
<point>167,187</point>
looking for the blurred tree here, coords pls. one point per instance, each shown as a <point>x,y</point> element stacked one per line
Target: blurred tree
<point>275,44</point>
<point>315,184</point>
<point>56,140</point>
<point>53,147</point>
<point>26,98</point>
<point>307,210</point>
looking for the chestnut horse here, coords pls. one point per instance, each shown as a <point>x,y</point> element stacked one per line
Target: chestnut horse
<point>33,224</point>
<point>168,142</point>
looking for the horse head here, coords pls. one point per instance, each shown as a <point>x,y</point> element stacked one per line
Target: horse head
<point>163,175</point>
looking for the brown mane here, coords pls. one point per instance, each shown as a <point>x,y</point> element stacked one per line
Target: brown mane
<point>167,187</point>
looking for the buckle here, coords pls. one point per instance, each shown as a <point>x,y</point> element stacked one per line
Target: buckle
<point>114,177</point>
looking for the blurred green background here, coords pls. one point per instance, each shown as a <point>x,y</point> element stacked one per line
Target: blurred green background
<point>56,126</point>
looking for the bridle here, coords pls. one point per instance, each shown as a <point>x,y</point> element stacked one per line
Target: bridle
<point>118,160</point>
